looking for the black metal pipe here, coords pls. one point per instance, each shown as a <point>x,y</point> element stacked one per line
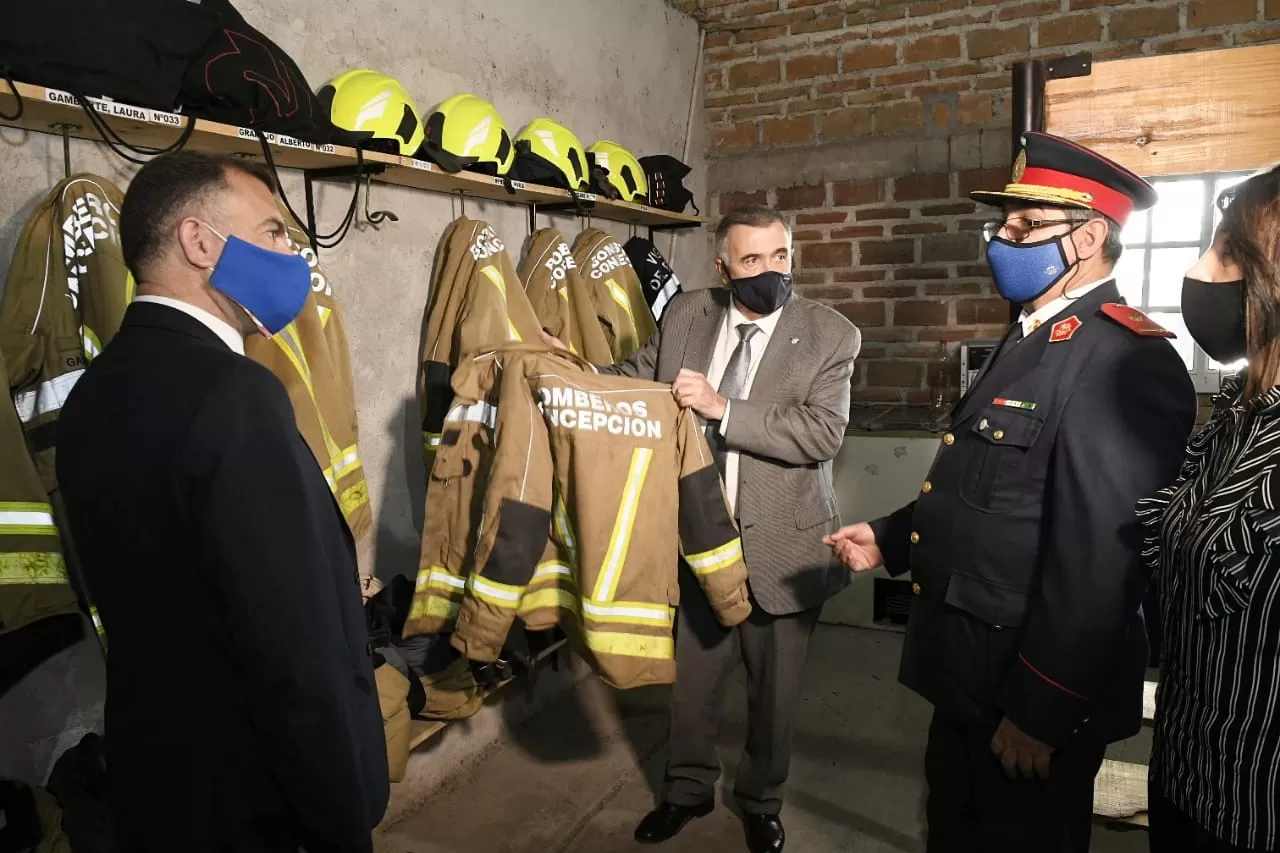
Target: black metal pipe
<point>1028,114</point>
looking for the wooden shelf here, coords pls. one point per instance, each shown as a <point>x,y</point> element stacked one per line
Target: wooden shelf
<point>55,112</point>
<point>421,731</point>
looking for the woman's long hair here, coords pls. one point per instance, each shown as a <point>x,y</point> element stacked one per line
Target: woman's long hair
<point>1251,224</point>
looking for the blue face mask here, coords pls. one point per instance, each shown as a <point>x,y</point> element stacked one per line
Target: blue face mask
<point>1025,271</point>
<point>270,286</point>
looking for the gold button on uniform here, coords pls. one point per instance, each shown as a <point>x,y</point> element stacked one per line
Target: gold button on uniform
<point>998,434</point>
<point>915,537</point>
<point>948,439</point>
<point>927,487</point>
<point>915,588</point>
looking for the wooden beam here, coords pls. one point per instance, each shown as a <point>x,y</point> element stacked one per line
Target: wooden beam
<point>1186,113</point>
<point>55,112</point>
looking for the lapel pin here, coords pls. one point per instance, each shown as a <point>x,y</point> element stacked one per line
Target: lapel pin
<point>795,340</point>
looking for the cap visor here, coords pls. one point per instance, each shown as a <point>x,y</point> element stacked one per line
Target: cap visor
<point>998,199</point>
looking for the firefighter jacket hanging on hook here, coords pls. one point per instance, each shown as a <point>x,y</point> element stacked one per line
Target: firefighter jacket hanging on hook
<point>625,482</point>
<point>477,300</point>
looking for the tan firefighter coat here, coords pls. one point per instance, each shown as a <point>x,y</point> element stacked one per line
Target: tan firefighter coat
<point>454,508</point>
<point>33,575</point>
<point>477,300</point>
<point>615,288</point>
<point>310,358</point>
<point>624,479</point>
<point>64,299</point>
<point>561,298</point>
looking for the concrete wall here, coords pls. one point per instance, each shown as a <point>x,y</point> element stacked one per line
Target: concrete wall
<point>618,69</point>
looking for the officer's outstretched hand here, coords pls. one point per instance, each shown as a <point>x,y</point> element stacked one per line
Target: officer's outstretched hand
<point>855,545</point>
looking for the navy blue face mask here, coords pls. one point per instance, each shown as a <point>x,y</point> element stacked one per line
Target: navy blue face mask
<point>1025,271</point>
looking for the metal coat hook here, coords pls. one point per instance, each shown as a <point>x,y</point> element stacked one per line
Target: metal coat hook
<point>462,201</point>
<point>375,217</point>
<point>66,146</point>
<point>533,217</point>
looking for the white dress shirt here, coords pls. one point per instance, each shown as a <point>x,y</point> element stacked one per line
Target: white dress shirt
<point>1036,319</point>
<point>726,343</point>
<point>217,325</point>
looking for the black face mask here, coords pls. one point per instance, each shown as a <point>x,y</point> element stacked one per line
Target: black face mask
<point>1214,314</point>
<point>763,293</point>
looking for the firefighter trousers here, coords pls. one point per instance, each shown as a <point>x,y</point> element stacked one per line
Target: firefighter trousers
<point>773,648</point>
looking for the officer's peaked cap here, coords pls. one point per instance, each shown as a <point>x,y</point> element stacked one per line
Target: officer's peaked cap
<point>1054,171</point>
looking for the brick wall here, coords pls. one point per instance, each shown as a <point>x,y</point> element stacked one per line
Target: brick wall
<point>867,121</point>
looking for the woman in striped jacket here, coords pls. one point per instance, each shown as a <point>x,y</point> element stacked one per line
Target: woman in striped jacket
<point>1214,544</point>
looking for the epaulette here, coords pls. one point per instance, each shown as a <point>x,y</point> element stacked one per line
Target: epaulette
<point>1135,321</point>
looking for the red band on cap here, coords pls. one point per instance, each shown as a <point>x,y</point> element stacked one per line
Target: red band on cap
<point>1106,201</point>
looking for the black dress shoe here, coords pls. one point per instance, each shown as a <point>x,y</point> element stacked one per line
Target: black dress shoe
<point>668,819</point>
<point>764,833</point>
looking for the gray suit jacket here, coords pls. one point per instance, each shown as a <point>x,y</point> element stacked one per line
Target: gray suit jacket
<point>787,432</point>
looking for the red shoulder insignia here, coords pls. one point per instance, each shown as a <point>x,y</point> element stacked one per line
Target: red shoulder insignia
<point>1135,321</point>
<point>1064,329</point>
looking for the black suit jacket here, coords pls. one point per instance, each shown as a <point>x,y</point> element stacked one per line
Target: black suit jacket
<point>241,709</point>
<point>1024,544</point>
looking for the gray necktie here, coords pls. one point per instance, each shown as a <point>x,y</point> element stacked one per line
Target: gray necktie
<point>731,387</point>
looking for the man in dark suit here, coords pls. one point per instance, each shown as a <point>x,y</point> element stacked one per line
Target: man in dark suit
<point>241,710</point>
<point>1027,634</point>
<point>769,371</point>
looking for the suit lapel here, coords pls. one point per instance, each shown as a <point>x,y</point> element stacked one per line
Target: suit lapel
<point>703,330</point>
<point>775,362</point>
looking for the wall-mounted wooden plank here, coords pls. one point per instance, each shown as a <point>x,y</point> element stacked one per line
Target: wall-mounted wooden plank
<point>56,112</point>
<point>1208,111</point>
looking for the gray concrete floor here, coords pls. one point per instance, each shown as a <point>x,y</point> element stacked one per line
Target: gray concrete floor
<point>580,776</point>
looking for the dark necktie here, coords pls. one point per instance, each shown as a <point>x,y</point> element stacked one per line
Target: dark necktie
<point>731,386</point>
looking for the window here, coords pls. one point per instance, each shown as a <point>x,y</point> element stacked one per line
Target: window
<point>1160,245</point>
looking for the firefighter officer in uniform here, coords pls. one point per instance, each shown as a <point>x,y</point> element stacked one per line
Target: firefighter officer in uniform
<point>1027,631</point>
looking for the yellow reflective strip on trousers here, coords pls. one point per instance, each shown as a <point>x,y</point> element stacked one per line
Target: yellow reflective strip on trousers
<point>431,441</point>
<point>506,596</point>
<point>630,645</point>
<point>32,568</point>
<point>707,562</point>
<point>628,613</point>
<point>354,498</point>
<point>434,606</point>
<point>26,518</point>
<point>438,577</point>
<point>347,461</point>
<point>620,542</point>
<point>562,599</point>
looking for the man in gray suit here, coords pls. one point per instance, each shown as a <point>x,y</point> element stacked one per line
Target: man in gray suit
<point>769,372</point>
